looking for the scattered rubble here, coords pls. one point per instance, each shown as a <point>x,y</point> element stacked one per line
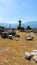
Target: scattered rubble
<point>32,55</point>
<point>28,55</point>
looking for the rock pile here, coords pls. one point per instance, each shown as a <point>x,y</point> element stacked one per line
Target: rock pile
<point>32,55</point>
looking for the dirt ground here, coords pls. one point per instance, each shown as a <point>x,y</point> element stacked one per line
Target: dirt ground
<point>12,51</point>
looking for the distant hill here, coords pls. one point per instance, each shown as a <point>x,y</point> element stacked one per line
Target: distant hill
<point>33,24</point>
<point>7,25</point>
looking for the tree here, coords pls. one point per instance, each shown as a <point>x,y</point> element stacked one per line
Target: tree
<point>19,26</point>
<point>19,23</point>
<point>1,27</point>
<point>28,27</point>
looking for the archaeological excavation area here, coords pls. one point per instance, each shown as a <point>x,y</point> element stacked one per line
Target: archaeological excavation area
<point>12,51</point>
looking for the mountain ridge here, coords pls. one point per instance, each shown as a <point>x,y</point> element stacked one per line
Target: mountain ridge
<point>32,24</point>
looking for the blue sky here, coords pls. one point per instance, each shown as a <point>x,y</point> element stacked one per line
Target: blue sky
<point>13,10</point>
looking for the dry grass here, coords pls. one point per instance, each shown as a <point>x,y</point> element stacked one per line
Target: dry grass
<point>16,49</point>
